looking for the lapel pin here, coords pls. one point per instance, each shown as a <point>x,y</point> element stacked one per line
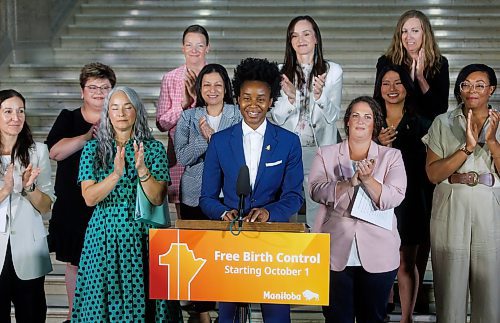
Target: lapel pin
<point>268,147</point>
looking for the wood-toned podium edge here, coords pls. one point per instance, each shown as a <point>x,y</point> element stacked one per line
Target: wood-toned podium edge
<point>247,226</point>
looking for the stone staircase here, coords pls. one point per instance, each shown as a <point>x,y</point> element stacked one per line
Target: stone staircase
<point>141,41</point>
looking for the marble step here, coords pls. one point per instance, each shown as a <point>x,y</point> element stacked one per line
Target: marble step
<point>315,7</point>
<point>72,71</point>
<point>146,86</point>
<point>40,135</point>
<point>154,71</point>
<point>234,55</point>
<point>157,19</point>
<point>171,59</point>
<point>256,30</point>
<point>57,314</point>
<point>377,13</point>
<point>65,78</point>
<point>329,43</point>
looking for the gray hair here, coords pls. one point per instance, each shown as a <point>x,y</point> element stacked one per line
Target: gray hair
<point>106,134</point>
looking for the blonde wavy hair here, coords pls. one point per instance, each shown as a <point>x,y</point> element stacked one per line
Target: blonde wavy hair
<point>398,55</point>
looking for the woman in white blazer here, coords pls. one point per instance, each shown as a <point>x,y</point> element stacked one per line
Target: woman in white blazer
<point>26,192</point>
<point>311,92</point>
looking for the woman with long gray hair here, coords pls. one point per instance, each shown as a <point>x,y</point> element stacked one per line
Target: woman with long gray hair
<point>111,283</point>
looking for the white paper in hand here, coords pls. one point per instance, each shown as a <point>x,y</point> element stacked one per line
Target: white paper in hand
<point>364,209</point>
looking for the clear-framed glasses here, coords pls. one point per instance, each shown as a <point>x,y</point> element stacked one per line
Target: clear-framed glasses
<point>479,87</point>
<point>95,88</point>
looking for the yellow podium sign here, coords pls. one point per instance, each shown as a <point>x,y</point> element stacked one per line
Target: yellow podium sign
<point>254,267</point>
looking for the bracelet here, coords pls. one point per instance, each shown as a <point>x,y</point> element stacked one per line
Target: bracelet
<point>29,189</point>
<point>464,149</point>
<point>145,177</point>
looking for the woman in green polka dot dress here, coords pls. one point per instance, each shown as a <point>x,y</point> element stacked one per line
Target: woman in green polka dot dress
<point>112,278</point>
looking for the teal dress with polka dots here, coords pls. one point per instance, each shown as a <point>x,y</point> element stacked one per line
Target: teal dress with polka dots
<point>112,281</point>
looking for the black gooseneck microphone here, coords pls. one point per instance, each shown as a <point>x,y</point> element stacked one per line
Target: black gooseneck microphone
<point>243,189</point>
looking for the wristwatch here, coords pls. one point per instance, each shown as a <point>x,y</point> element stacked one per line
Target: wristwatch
<point>464,149</point>
<point>28,189</point>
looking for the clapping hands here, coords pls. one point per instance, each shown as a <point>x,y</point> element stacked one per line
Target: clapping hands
<point>119,161</point>
<point>418,66</point>
<point>29,175</point>
<point>189,89</point>
<point>206,130</point>
<point>288,88</point>
<point>471,133</point>
<point>387,136</point>
<point>364,171</point>
<point>491,132</point>
<point>8,179</point>
<point>318,85</point>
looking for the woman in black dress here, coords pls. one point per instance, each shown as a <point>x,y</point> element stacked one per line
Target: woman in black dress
<point>65,141</point>
<point>414,48</point>
<point>403,129</point>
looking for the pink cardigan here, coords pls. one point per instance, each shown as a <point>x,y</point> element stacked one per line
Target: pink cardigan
<point>378,247</point>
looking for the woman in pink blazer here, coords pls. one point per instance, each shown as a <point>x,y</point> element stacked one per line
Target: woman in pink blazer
<point>364,256</point>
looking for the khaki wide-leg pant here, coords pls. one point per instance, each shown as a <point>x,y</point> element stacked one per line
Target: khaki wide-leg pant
<point>465,242</point>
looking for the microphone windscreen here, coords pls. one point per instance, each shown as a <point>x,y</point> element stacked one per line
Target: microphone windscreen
<point>243,182</point>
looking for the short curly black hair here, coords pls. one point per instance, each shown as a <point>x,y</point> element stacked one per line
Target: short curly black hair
<point>257,69</point>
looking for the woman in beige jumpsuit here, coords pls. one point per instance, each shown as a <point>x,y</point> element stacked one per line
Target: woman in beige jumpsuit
<point>463,159</point>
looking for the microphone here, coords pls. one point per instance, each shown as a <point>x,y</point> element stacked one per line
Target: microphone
<point>243,189</point>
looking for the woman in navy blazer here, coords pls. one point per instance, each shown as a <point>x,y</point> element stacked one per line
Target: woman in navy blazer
<point>364,257</point>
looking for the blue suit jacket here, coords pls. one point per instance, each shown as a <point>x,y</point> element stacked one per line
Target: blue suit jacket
<point>278,185</point>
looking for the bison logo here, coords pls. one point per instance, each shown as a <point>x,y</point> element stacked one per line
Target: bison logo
<point>309,295</point>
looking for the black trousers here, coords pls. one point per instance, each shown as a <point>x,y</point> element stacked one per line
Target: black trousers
<point>28,296</point>
<point>192,213</point>
<point>356,293</point>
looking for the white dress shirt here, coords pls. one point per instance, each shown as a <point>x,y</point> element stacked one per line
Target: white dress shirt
<point>252,146</point>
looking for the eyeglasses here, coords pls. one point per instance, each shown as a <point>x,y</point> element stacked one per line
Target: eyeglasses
<point>95,88</point>
<point>479,87</point>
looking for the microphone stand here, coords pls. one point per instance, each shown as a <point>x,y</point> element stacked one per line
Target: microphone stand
<point>242,312</point>
<point>241,206</point>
